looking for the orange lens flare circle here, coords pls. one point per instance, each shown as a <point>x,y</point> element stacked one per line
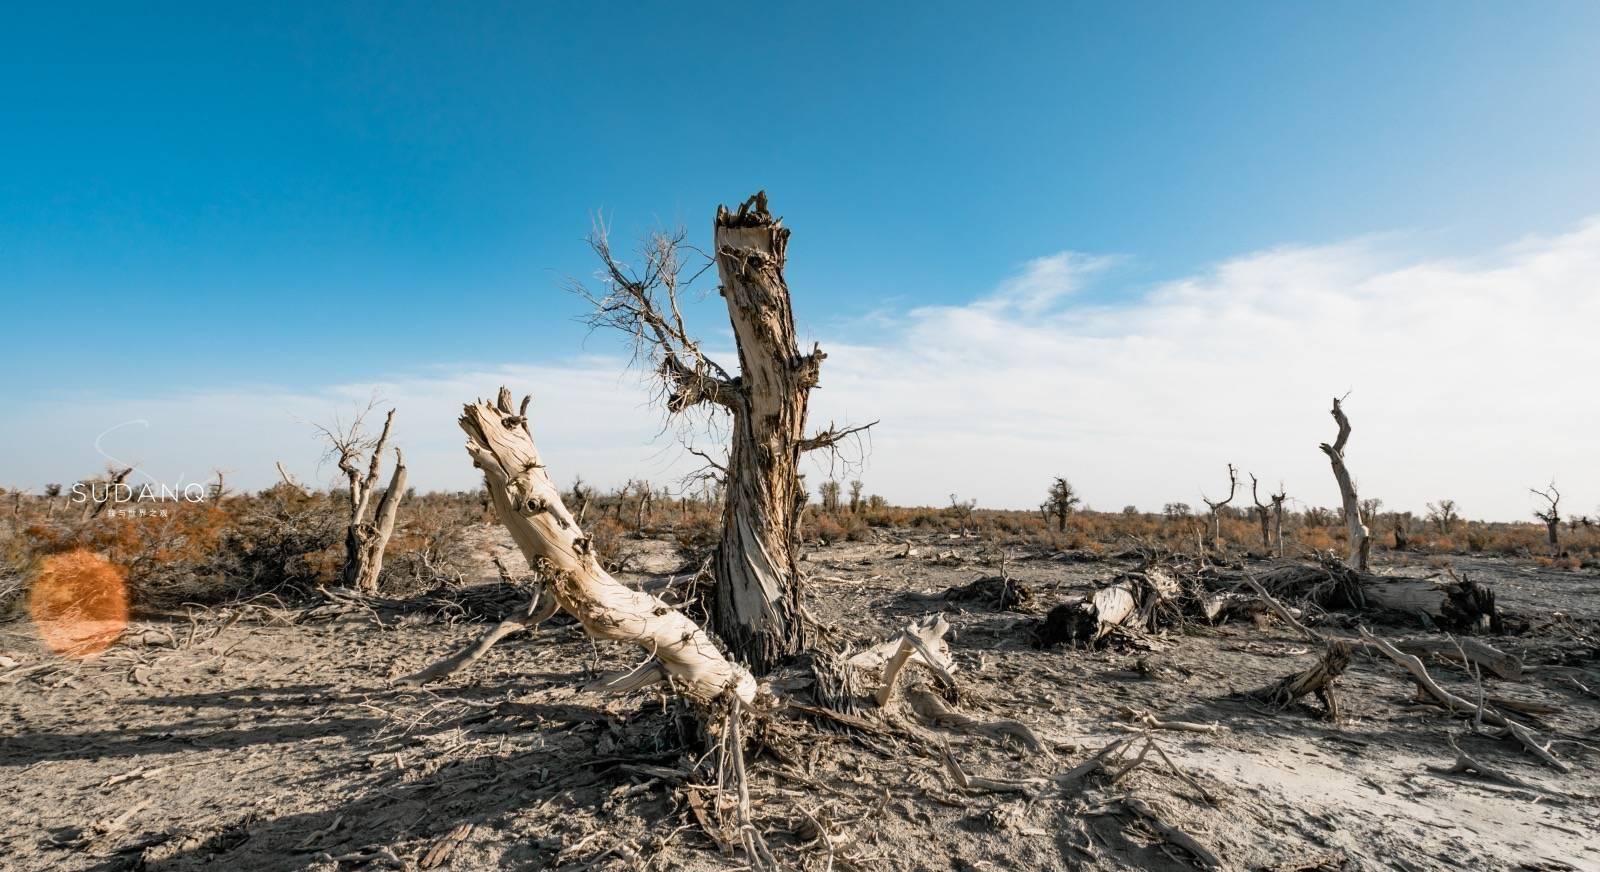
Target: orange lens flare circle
<point>79,603</point>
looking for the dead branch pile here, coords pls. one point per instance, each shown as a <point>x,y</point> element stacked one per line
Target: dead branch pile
<point>1458,605</point>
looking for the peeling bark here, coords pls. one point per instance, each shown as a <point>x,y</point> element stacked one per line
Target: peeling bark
<point>756,606</point>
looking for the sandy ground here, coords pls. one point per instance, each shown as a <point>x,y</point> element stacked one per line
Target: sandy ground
<point>257,738</point>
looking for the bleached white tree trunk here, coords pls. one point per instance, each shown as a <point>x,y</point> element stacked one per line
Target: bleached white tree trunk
<point>530,505</point>
<point>1360,544</point>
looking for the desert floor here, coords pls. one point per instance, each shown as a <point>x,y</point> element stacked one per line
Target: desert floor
<point>260,737</point>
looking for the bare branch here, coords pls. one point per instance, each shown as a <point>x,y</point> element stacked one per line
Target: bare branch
<point>832,436</point>
<point>644,305</point>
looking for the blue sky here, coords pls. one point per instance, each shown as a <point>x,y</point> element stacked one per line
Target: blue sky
<point>327,194</point>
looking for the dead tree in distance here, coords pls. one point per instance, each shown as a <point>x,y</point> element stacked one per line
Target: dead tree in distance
<point>1443,514</point>
<point>1551,516</point>
<point>371,524</point>
<point>1278,499</point>
<point>1360,543</point>
<point>755,606</point>
<point>1061,501</point>
<point>1216,508</point>
<point>1263,515</point>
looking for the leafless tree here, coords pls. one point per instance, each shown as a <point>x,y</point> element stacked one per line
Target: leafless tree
<point>581,494</point>
<point>1551,516</point>
<point>1216,507</point>
<point>113,479</point>
<point>371,523</point>
<point>756,602</point>
<point>1443,514</point>
<point>1359,541</point>
<point>1060,502</point>
<point>1263,513</point>
<point>962,510</point>
<point>644,498</point>
<point>855,497</point>
<point>219,489</point>
<point>1371,508</point>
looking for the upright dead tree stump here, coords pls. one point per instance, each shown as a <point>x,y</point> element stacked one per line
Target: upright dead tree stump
<point>757,602</point>
<point>1216,508</point>
<point>371,524</point>
<point>755,607</point>
<point>1263,516</point>
<point>1278,499</point>
<point>1360,542</point>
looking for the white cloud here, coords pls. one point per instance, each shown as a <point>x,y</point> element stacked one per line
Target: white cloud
<point>1470,379</point>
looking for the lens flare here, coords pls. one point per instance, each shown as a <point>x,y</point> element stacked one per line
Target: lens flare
<point>79,603</point>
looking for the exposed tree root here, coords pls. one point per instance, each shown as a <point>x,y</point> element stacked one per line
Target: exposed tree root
<point>931,707</point>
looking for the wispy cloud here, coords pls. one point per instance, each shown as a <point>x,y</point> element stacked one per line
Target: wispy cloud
<point>1469,379</point>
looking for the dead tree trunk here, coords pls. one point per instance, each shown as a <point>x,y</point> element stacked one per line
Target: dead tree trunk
<point>529,504</point>
<point>1360,544</point>
<point>1278,500</point>
<point>1263,515</point>
<point>755,606</point>
<point>1216,518</point>
<point>365,540</point>
<point>757,603</point>
<point>1551,516</point>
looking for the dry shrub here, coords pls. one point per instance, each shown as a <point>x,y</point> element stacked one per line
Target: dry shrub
<point>605,537</point>
<point>697,534</point>
<point>428,548</point>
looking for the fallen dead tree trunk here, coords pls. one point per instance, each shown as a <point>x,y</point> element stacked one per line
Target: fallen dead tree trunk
<point>1084,622</point>
<point>530,506</point>
<point>1150,599</point>
<point>1474,651</point>
<point>1459,605</point>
